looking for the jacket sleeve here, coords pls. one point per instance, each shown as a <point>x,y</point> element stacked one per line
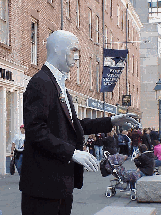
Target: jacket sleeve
<point>137,161</point>
<point>36,111</point>
<point>98,125</point>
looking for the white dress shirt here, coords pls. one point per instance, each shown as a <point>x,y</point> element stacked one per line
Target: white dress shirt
<point>60,78</point>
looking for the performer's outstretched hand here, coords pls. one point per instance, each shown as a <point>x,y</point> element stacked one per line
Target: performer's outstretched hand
<point>86,159</point>
<point>124,119</point>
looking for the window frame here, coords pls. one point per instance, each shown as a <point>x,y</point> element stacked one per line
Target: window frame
<point>68,8</point>
<point>77,13</point>
<point>4,20</point>
<point>97,29</point>
<point>34,48</point>
<point>90,22</point>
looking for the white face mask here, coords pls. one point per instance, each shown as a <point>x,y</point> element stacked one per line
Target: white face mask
<point>61,49</point>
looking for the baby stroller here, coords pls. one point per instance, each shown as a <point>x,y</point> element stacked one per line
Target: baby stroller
<point>121,176</point>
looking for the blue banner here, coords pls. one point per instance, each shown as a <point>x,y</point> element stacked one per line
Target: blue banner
<point>114,62</point>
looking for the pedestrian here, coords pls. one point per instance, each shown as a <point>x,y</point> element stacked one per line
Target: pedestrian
<point>98,146</point>
<point>144,162</point>
<point>109,143</point>
<point>90,144</point>
<point>121,143</point>
<point>17,148</point>
<point>136,137</point>
<point>154,134</point>
<point>146,138</point>
<point>157,152</point>
<point>127,140</point>
<point>53,156</point>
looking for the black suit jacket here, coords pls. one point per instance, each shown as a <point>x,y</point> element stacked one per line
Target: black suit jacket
<point>51,138</point>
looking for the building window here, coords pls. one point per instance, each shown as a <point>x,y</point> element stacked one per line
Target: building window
<point>34,26</point>
<point>98,77</point>
<point>133,64</point>
<point>118,15</point>
<point>111,9</point>
<point>105,5</point>
<point>90,23</point>
<point>90,73</point>
<point>122,21</point>
<point>106,37</point>
<point>97,29</point>
<point>4,29</point>
<point>68,8</point>
<point>133,96</point>
<point>137,68</point>
<point>137,99</point>
<point>128,61</point>
<point>128,29</point>
<point>78,14</point>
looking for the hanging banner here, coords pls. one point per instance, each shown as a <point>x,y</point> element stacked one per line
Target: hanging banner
<point>114,62</point>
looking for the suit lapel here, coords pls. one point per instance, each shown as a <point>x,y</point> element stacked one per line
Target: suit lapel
<point>62,101</point>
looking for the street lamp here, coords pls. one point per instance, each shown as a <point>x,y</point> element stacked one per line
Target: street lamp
<point>158,97</point>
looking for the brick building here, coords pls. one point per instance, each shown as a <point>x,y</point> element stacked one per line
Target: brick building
<point>24,28</point>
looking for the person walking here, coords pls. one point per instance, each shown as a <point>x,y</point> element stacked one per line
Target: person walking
<point>17,148</point>
<point>146,138</point>
<point>121,143</point>
<point>136,137</point>
<point>98,146</point>
<point>157,152</point>
<point>90,144</point>
<point>109,143</point>
<point>53,157</point>
<point>127,140</point>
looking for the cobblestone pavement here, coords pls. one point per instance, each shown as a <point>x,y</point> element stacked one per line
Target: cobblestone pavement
<point>87,201</point>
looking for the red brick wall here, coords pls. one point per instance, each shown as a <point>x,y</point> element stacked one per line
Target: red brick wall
<point>49,17</point>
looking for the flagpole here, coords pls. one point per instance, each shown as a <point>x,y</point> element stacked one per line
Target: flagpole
<point>103,28</point>
<point>126,48</point>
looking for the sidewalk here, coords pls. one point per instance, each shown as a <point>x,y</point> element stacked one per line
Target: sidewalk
<point>87,201</point>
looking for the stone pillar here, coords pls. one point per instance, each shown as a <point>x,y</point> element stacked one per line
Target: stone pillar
<point>89,113</point>
<point>2,130</point>
<point>15,113</point>
<point>94,114</point>
<point>21,108</point>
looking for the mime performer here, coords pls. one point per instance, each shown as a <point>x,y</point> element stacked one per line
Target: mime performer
<point>53,159</point>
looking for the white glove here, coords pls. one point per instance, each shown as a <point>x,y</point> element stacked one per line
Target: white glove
<point>86,159</point>
<point>124,119</point>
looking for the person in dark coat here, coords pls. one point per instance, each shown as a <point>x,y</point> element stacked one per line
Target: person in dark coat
<point>109,143</point>
<point>90,144</point>
<point>53,156</point>
<point>145,161</point>
<point>154,135</point>
<point>146,138</point>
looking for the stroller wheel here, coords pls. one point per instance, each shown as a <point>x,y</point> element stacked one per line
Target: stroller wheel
<point>133,194</point>
<point>133,197</point>
<point>108,193</point>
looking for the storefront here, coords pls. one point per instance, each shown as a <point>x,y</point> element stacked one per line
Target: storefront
<point>12,82</point>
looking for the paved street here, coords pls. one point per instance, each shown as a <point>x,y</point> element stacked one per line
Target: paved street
<point>87,201</point>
